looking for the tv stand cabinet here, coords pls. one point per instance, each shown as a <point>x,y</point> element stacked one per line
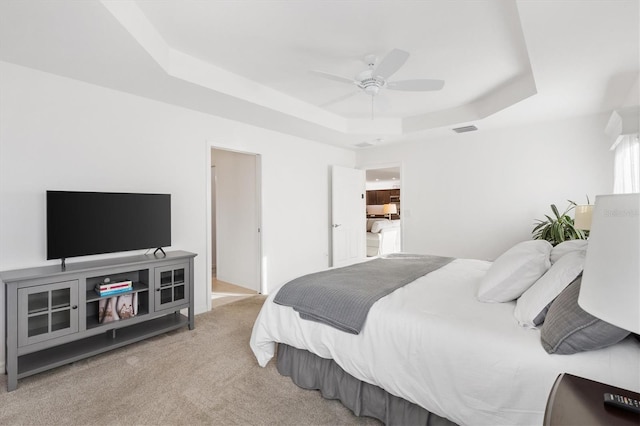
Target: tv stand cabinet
<point>51,313</point>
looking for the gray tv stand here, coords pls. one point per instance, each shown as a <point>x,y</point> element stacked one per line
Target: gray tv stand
<point>51,314</point>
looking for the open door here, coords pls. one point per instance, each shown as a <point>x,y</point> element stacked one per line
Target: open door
<point>348,216</point>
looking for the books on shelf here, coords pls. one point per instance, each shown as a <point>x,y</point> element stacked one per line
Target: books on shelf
<point>114,292</point>
<point>108,289</point>
<point>117,306</point>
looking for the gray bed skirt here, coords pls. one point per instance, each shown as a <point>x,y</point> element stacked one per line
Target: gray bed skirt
<point>309,371</point>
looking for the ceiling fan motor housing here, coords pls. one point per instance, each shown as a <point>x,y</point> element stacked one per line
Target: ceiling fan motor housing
<point>371,85</point>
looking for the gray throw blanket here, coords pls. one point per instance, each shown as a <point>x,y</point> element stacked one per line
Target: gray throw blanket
<point>342,297</point>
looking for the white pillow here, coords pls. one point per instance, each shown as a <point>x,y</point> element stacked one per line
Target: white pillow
<point>380,224</point>
<point>532,305</point>
<point>566,247</point>
<point>514,271</point>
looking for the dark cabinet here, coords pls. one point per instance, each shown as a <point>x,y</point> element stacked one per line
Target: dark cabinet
<point>385,196</point>
<point>372,198</point>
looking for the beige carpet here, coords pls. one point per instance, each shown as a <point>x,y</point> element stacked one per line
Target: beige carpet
<point>205,376</point>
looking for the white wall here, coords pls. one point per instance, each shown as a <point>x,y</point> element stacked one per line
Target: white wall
<point>476,194</point>
<point>58,133</point>
<point>383,184</point>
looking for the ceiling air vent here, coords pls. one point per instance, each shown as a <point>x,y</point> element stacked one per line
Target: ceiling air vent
<point>363,144</point>
<point>465,129</point>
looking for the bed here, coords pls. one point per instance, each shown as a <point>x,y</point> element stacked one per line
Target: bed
<point>433,344</point>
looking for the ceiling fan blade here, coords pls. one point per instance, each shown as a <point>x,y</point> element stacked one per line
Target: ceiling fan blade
<point>391,63</point>
<point>340,98</point>
<point>334,77</point>
<point>422,85</point>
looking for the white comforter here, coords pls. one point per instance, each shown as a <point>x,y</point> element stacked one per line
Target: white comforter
<point>433,343</point>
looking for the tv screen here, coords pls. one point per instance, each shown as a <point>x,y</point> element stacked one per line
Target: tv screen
<point>84,223</point>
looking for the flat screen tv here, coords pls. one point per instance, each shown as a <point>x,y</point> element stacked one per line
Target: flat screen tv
<point>85,223</point>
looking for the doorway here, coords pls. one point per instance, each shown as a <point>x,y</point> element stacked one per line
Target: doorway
<point>234,219</point>
<point>384,203</point>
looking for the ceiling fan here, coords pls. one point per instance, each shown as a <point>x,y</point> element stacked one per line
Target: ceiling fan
<point>376,76</point>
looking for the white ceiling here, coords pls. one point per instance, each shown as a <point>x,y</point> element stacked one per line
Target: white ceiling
<point>278,43</point>
<point>504,62</point>
<point>383,174</point>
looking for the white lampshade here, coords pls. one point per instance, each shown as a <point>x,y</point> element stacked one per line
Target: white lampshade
<point>583,215</point>
<point>389,209</point>
<point>610,288</point>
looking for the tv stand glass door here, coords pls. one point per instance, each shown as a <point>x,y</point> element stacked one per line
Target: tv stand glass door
<point>51,312</point>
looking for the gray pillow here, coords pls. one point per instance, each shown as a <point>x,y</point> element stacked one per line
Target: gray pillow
<point>568,329</point>
<point>539,319</point>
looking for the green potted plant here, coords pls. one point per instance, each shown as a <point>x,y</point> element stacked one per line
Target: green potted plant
<point>558,228</point>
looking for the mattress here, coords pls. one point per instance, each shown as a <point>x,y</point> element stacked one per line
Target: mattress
<point>434,344</point>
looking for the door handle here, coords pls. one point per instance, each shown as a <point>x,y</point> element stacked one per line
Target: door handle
<point>335,225</point>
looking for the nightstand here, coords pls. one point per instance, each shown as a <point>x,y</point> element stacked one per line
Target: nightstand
<point>577,401</point>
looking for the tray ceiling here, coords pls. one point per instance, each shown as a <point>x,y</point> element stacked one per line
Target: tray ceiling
<point>504,63</point>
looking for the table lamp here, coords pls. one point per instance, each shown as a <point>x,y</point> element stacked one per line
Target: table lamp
<point>389,209</point>
<point>583,217</point>
<point>610,288</point>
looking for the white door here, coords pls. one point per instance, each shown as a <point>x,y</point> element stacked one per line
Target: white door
<point>348,216</point>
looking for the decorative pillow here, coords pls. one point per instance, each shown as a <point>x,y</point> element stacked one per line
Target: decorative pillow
<point>567,247</point>
<point>530,309</point>
<point>380,224</point>
<point>568,329</point>
<point>514,271</point>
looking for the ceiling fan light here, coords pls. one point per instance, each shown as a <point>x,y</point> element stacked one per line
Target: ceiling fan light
<point>371,90</point>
